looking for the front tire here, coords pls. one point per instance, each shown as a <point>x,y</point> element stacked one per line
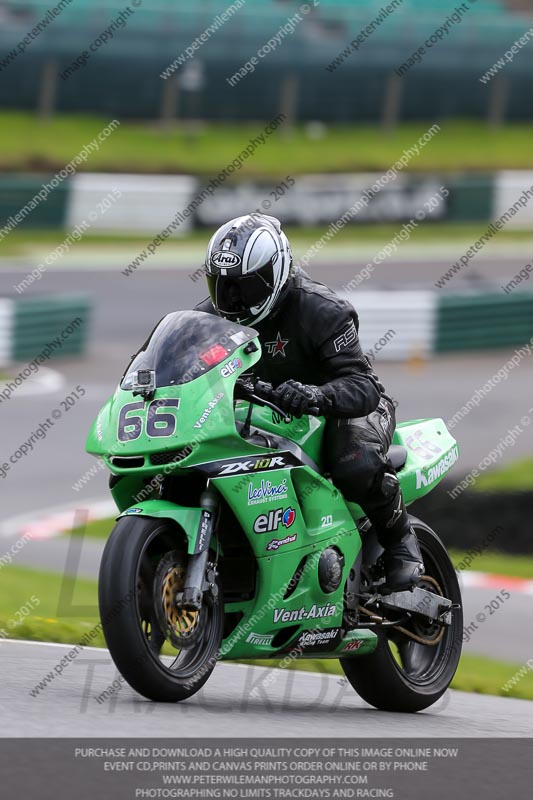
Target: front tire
<point>402,674</point>
<point>130,587</point>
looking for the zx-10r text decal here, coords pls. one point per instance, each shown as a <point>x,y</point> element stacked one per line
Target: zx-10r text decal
<point>238,466</point>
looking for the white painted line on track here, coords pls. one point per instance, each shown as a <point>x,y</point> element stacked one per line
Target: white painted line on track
<point>45,381</point>
<point>54,644</point>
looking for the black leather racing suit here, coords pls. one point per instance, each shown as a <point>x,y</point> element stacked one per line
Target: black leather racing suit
<point>313,337</point>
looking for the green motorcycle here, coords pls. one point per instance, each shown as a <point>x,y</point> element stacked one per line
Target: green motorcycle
<point>232,543</point>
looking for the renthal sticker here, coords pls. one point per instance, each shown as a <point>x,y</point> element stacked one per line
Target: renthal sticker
<point>317,638</point>
<point>350,647</point>
<point>231,367</point>
<point>299,614</point>
<point>267,491</point>
<point>225,260</point>
<point>275,544</point>
<point>422,447</point>
<point>212,403</point>
<point>346,338</point>
<point>274,462</point>
<point>266,523</point>
<point>264,640</point>
<point>428,475</point>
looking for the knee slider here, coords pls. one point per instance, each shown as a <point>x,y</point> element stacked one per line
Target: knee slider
<point>389,484</point>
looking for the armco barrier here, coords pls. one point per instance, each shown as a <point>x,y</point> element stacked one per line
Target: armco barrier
<point>148,202</point>
<point>428,322</point>
<point>28,326</point>
<point>21,206</point>
<point>6,325</point>
<point>408,317</point>
<point>483,320</point>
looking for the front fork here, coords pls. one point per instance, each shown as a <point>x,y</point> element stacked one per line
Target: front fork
<point>201,577</point>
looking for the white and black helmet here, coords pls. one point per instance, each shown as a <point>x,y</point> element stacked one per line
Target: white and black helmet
<point>248,264</point>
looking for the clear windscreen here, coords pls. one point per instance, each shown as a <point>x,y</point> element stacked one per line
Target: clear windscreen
<point>185,345</point>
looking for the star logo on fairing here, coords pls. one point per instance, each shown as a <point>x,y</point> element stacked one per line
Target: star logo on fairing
<point>278,346</point>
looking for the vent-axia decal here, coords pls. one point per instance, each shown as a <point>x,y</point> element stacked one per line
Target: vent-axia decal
<point>300,614</point>
<point>209,408</point>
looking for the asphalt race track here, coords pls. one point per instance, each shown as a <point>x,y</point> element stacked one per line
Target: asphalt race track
<point>289,705</point>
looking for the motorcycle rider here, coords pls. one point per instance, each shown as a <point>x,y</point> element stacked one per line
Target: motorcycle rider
<point>312,356</point>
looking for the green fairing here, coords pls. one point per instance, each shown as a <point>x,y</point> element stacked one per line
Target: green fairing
<point>311,513</point>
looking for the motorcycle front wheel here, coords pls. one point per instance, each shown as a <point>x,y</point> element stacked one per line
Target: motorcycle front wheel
<point>165,653</point>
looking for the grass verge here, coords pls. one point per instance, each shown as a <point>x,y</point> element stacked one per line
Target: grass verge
<point>66,609</point>
<point>27,143</point>
<point>98,529</point>
<point>519,566</point>
<point>515,477</point>
<point>66,621</point>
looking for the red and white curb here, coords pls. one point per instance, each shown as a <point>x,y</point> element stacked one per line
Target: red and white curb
<point>487,580</point>
<point>55,521</point>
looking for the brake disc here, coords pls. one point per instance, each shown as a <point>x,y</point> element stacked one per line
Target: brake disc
<point>181,625</point>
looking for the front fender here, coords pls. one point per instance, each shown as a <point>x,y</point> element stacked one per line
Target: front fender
<point>187,518</point>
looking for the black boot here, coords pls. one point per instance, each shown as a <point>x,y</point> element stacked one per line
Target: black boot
<point>403,563</point>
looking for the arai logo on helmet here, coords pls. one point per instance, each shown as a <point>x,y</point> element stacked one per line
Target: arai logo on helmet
<point>230,368</point>
<point>225,260</point>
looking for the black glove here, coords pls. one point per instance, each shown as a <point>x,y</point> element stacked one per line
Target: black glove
<point>296,399</point>
<point>244,387</point>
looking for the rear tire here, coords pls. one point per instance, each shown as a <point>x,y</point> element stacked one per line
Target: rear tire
<point>126,592</point>
<point>425,676</point>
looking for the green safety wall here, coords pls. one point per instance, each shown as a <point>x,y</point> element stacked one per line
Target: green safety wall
<point>38,321</point>
<point>483,320</point>
<point>16,190</point>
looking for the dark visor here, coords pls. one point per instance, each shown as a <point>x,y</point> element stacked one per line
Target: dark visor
<point>233,295</point>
